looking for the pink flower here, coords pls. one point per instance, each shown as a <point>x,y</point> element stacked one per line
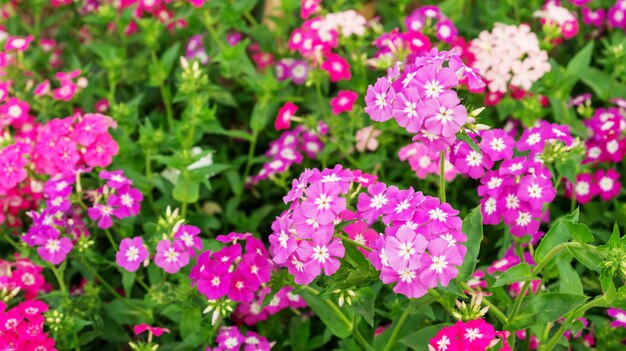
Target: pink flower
<point>585,188</point>
<point>446,31</point>
<point>42,89</point>
<point>405,249</point>
<point>536,190</point>
<point>101,152</point>
<point>12,169</point>
<point>405,111</point>
<point>102,213</point>
<point>54,249</point>
<point>65,92</point>
<point>197,3</point>
<point>497,144</point>
<point>171,257</point>
<point>343,102</point>
<point>230,338</point>
<point>432,81</point>
<point>188,234</point>
<point>366,139</point>
<point>619,315</point>
<point>132,252</point>
<point>127,201</point>
<point>285,113</point>
<point>323,201</point>
<point>370,204</point>
<point>318,254</point>
<point>608,183</point>
<point>138,329</point>
<point>18,43</point>
<point>379,99</point>
<point>309,7</point>
<point>337,67</point>
<point>444,116</point>
<point>440,263</point>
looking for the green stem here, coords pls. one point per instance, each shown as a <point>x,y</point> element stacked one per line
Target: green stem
<point>59,276</point>
<point>333,307</point>
<point>360,339</point>
<point>106,285</point>
<point>346,239</point>
<point>246,172</point>
<point>555,251</point>
<point>166,95</point>
<point>396,329</point>
<point>111,240</point>
<point>442,176</point>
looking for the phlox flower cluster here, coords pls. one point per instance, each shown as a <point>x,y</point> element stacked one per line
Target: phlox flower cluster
<point>613,16</point>
<point>253,312</point>
<point>418,249</point>
<point>195,49</point>
<point>261,59</point>
<point>517,189</point>
<point>23,275</point>
<point>421,100</point>
<point>22,327</point>
<point>606,145</point>
<point>316,38</point>
<point>616,15</point>
<point>61,215</point>
<point>424,161</point>
<point>556,15</point>
<point>290,148</point>
<point>421,245</point>
<point>474,335</point>
<point>232,339</point>
<point>67,87</point>
<point>430,15</point>
<point>395,45</point>
<point>509,55</point>
<point>173,253</point>
<point>236,271</point>
<point>297,71</point>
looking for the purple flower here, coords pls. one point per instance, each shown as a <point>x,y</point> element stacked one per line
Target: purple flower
<point>54,249</point>
<point>101,213</point>
<point>171,256</point>
<point>131,254</point>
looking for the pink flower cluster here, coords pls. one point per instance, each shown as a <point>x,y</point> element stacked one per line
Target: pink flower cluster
<point>172,254</point>
<point>21,328</point>
<point>428,15</point>
<point>614,16</point>
<point>291,147</point>
<point>195,49</point>
<point>424,161</point>
<point>254,311</point>
<point>232,339</point>
<point>517,189</point>
<point>228,272</point>
<point>117,199</point>
<point>24,275</point>
<point>421,246</point>
<point>396,45</point>
<point>421,100</point>
<point>418,250</point>
<point>474,335</point>
<point>552,13</point>
<point>607,144</point>
<point>509,55</point>
<point>67,87</point>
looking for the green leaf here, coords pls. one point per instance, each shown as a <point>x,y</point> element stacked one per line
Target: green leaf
<point>419,339</point>
<point>190,322</point>
<point>364,304</point>
<point>128,279</point>
<point>597,80</point>
<point>559,233</point>
<point>614,239</point>
<point>329,316</point>
<point>473,228</point>
<point>587,257</point>
<point>545,308</point>
<point>579,232</point>
<point>472,144</point>
<point>186,190</point>
<point>169,57</point>
<point>518,273</point>
<point>581,60</point>
<point>569,281</point>
<point>299,332</point>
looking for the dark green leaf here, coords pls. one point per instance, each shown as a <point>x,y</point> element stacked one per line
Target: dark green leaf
<point>569,281</point>
<point>329,315</point>
<point>581,60</point>
<point>473,228</point>
<point>545,308</point>
<point>419,339</point>
<point>190,322</point>
<point>518,273</point>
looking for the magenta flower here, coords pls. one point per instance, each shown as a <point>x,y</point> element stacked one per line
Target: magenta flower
<point>608,183</point>
<point>379,99</point>
<point>131,254</point>
<point>101,213</point>
<point>585,189</point>
<point>101,152</point>
<point>536,190</point>
<point>157,331</point>
<point>115,179</point>
<point>619,315</point>
<point>12,169</point>
<point>444,115</point>
<point>343,102</point>
<point>318,255</point>
<point>337,67</point>
<point>230,338</point>
<point>18,43</point>
<point>188,234</point>
<point>54,249</point>
<point>323,201</point>
<point>497,144</point>
<point>127,202</point>
<point>285,114</point>
<point>171,257</point>
<point>282,242</point>
<point>370,204</point>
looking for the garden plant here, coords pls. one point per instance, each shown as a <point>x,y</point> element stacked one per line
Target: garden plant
<point>378,175</point>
